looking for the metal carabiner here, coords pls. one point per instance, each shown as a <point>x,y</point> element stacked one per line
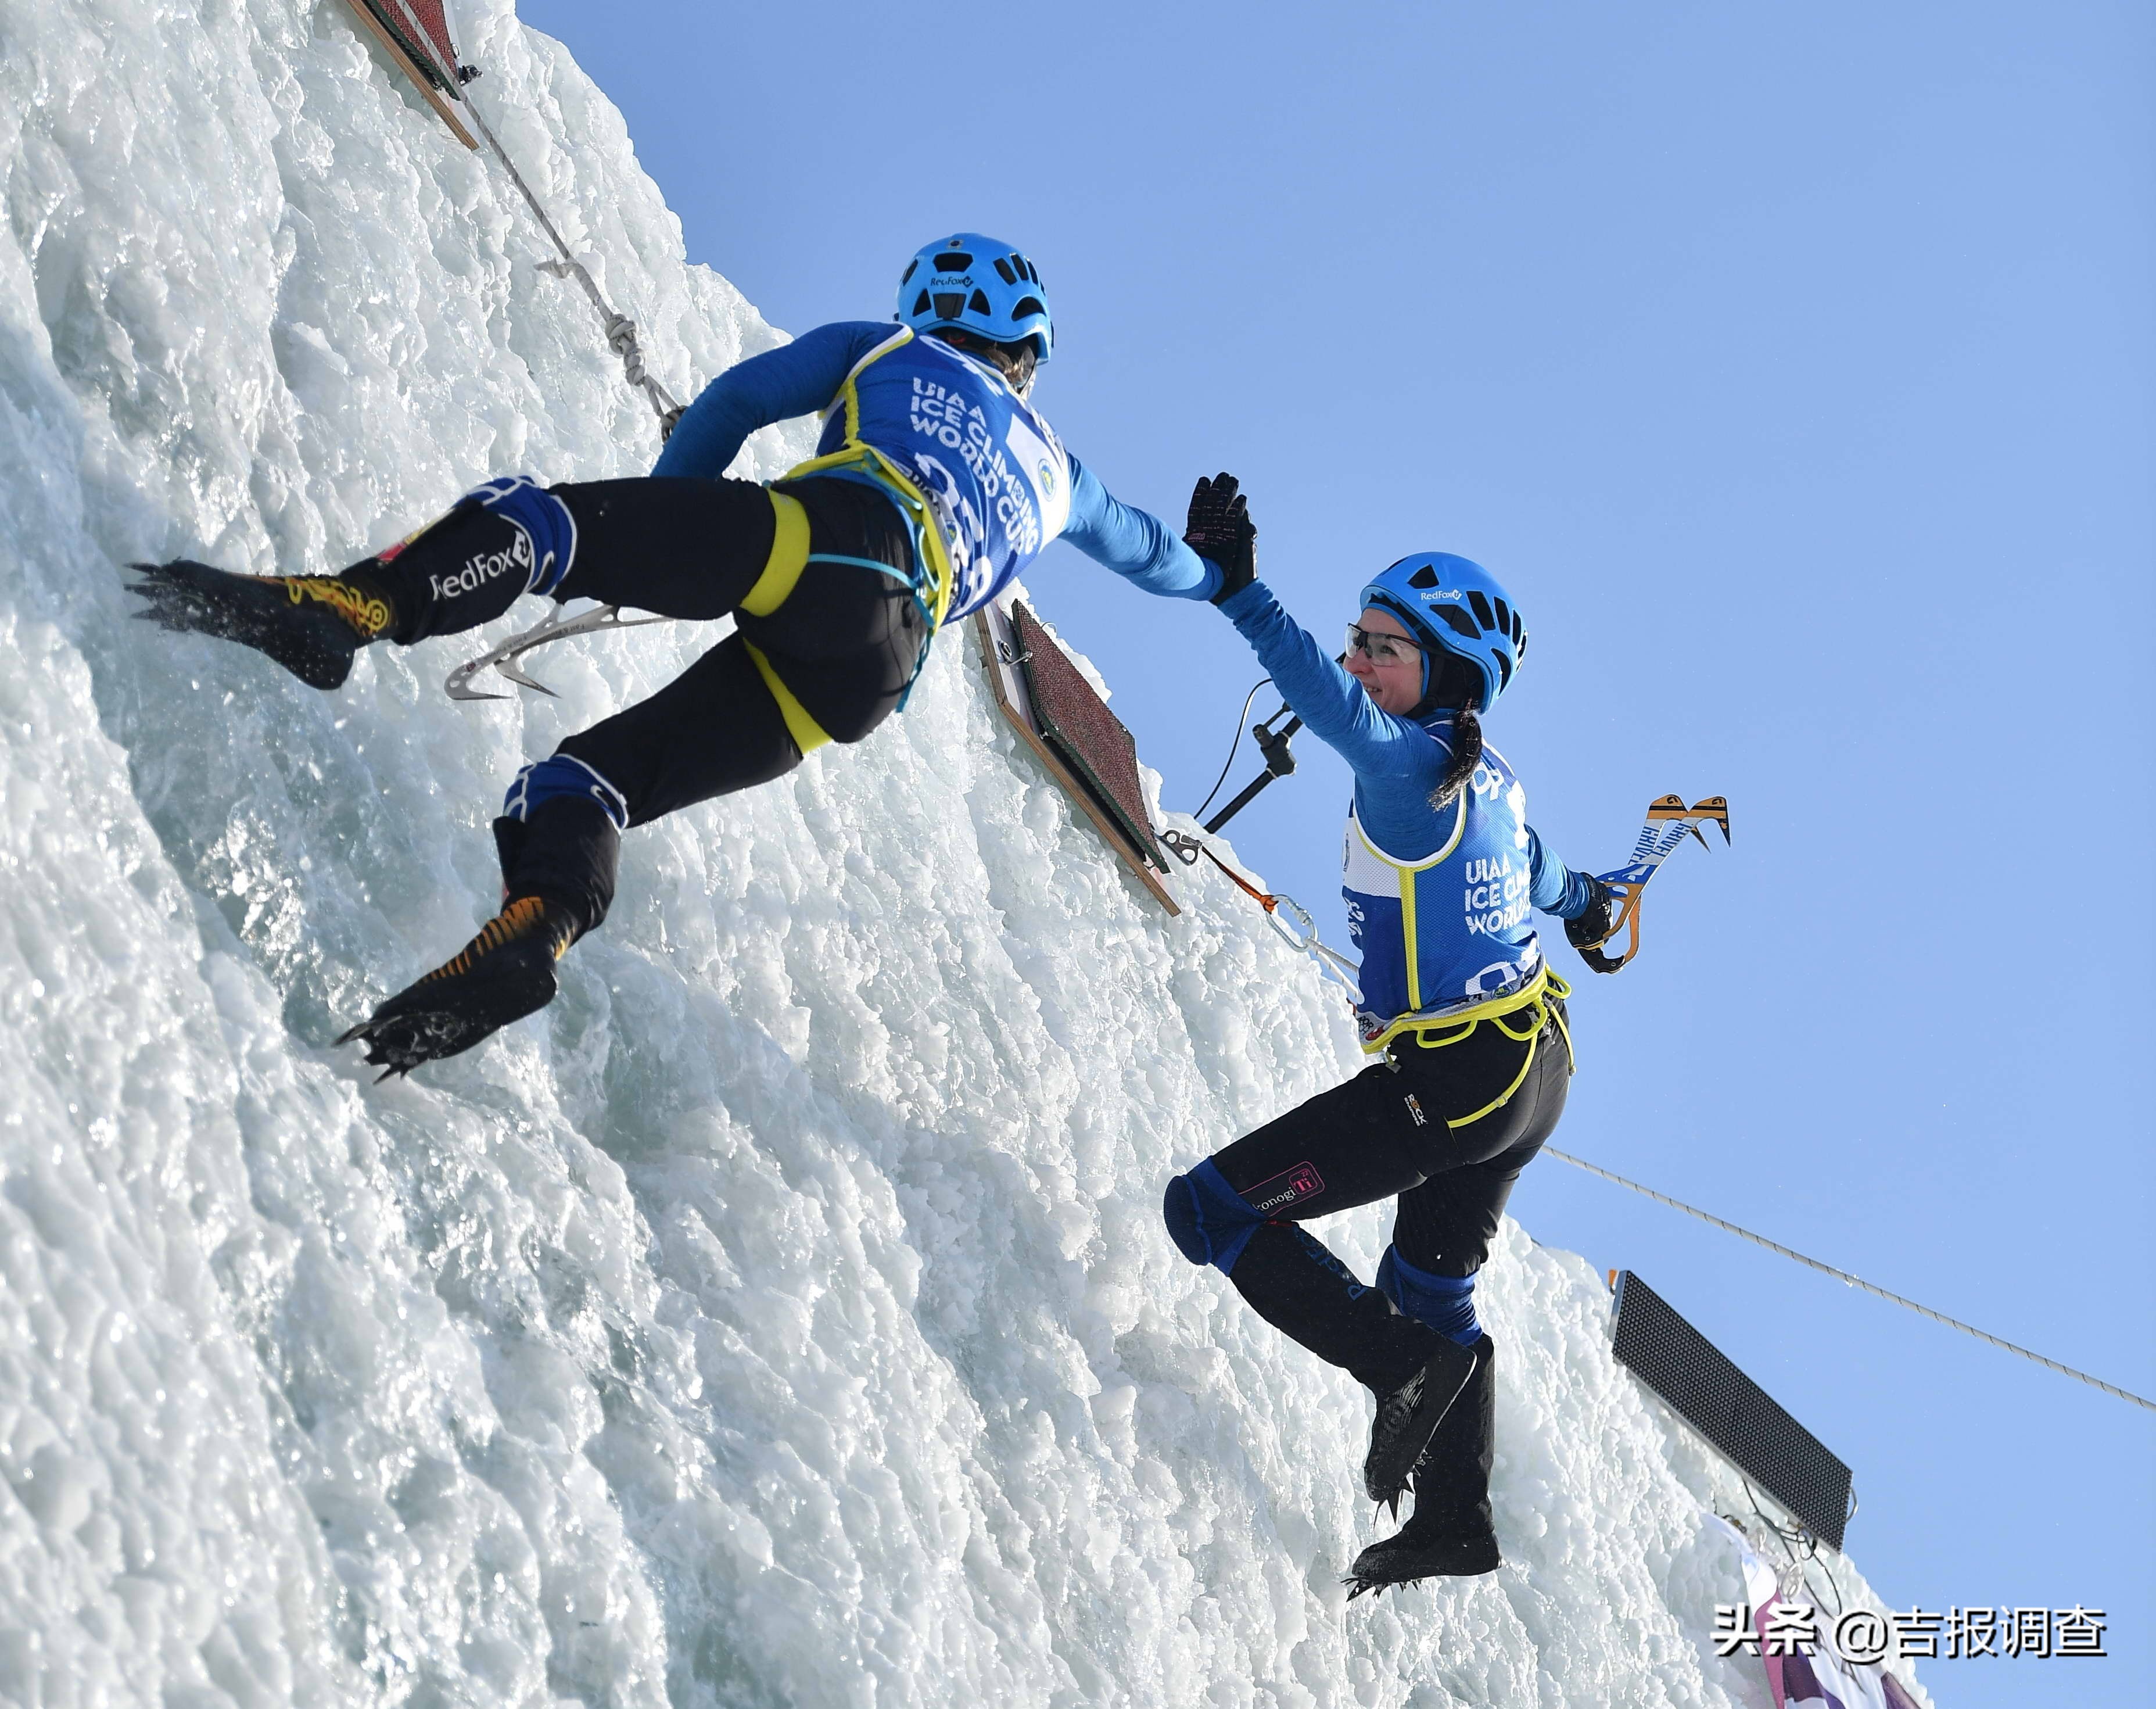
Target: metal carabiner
<point>1302,941</point>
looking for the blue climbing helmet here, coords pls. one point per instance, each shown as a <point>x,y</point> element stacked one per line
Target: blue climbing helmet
<point>980,283</point>
<point>1455,603</point>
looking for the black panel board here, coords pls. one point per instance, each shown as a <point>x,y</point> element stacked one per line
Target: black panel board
<point>1732,1411</point>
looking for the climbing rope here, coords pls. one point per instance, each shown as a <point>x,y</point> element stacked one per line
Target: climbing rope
<point>620,330</point>
<point>1854,1281</point>
<point>1299,932</point>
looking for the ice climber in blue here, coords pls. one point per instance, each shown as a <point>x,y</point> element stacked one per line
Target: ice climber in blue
<point>935,483</point>
<point>1464,1015</point>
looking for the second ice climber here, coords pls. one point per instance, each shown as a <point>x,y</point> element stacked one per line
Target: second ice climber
<point>935,483</point>
<point>1464,1019</point>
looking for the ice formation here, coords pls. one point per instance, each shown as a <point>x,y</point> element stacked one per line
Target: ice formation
<point>783,1318</point>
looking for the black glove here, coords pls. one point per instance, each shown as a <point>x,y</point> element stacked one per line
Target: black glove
<point>1219,528</point>
<point>1594,926</point>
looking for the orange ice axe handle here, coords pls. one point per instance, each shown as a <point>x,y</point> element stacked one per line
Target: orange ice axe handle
<point>1669,821</point>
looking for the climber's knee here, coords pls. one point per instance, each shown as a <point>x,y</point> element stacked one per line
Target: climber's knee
<point>1210,1222</point>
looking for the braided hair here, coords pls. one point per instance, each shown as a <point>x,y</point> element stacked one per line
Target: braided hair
<point>1454,683</point>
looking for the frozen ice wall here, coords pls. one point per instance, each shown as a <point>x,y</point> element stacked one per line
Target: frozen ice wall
<point>782,1318</point>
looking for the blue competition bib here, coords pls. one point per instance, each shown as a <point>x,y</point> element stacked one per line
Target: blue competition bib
<point>1449,930</point>
<point>996,478</point>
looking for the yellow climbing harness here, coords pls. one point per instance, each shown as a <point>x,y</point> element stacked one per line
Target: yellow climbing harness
<point>1532,1002</point>
<point>858,458</point>
<point>930,551</point>
<point>791,549</point>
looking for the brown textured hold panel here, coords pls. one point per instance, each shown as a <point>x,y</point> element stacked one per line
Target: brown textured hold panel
<point>1077,724</point>
<point>418,44</point>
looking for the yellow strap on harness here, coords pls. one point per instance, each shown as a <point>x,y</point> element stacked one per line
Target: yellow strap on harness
<point>936,596</point>
<point>807,733</point>
<point>789,557</point>
<point>790,546</point>
<point>1530,1002</point>
<point>1434,1032</point>
<point>782,572</point>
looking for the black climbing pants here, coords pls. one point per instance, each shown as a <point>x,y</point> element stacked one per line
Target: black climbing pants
<point>1385,1135</point>
<point>844,644</point>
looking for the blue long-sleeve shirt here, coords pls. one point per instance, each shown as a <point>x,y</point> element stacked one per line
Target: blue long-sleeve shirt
<point>1397,761</point>
<point>813,371</point>
<point>1438,898</point>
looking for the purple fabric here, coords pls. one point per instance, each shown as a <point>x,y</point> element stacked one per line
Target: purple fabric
<point>1800,1682</point>
<point>1897,1696</point>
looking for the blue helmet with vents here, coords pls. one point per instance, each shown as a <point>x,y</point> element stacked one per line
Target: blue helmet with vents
<point>1455,603</point>
<point>980,283</point>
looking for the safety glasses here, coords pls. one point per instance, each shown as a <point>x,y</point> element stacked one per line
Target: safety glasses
<point>1383,649</point>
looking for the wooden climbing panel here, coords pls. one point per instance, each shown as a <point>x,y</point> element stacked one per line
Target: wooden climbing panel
<point>1083,745</point>
<point>415,35</point>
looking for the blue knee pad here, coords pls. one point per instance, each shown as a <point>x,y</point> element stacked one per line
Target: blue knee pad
<point>543,780</point>
<point>544,518</point>
<point>1210,1222</point>
<point>1446,1303</point>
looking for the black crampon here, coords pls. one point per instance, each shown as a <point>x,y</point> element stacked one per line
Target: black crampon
<point>1408,1556</point>
<point>1409,1415</point>
<point>312,625</point>
<point>502,975</point>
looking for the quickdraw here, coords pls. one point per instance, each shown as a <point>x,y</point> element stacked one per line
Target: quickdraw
<point>621,337</point>
<point>620,331</point>
<point>1669,822</point>
<point>1299,933</point>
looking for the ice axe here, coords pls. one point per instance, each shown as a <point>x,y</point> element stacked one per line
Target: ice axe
<point>458,684</point>
<point>1669,822</point>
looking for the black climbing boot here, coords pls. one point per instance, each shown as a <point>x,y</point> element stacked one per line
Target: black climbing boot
<point>504,973</point>
<point>1409,1416</point>
<point>1450,1534</point>
<point>312,625</point>
<point>467,567</point>
<point>1436,1543</point>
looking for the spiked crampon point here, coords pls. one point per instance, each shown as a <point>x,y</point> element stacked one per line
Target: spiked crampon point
<point>312,625</point>
<point>1409,1416</point>
<point>1439,1547</point>
<point>502,975</point>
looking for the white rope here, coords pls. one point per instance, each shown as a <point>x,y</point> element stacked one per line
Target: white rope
<point>620,330</point>
<point>1854,1281</point>
<point>1331,963</point>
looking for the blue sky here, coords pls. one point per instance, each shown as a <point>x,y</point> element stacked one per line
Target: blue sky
<point>1794,367</point>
